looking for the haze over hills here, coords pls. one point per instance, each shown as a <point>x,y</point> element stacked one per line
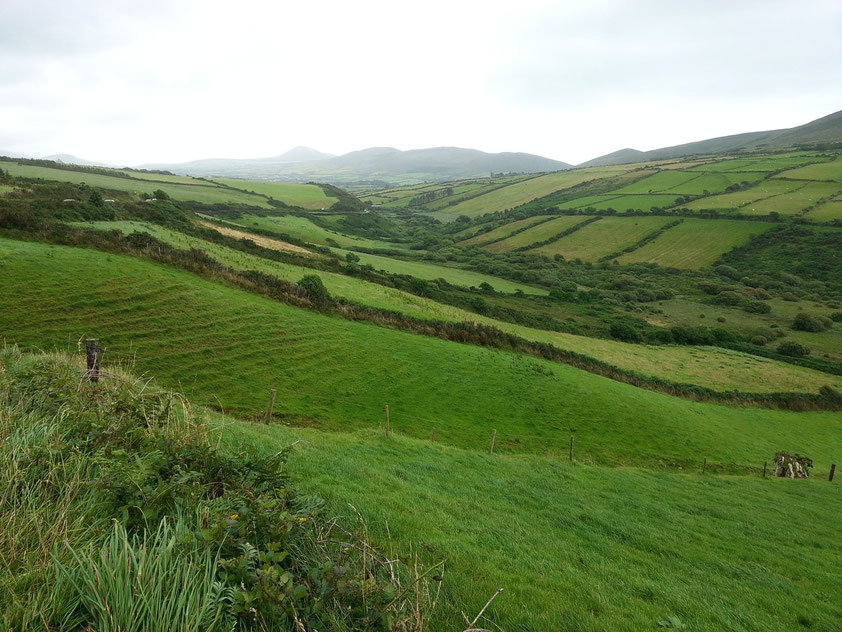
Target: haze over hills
<point>827,129</point>
<point>385,164</point>
<point>75,160</point>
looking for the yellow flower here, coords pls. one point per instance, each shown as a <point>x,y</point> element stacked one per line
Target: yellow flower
<point>234,516</point>
<point>302,520</point>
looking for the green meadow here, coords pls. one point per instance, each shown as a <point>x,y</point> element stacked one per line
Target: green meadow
<point>542,231</point>
<point>309,196</point>
<point>826,212</point>
<point>503,231</point>
<point>795,201</point>
<point>302,228</point>
<point>603,237</point>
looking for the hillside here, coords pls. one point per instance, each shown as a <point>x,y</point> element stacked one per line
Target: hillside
<point>827,129</point>
<point>384,164</point>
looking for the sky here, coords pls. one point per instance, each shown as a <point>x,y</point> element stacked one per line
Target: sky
<point>128,82</point>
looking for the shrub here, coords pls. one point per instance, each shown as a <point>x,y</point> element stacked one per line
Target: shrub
<point>836,317</point>
<point>759,341</point>
<point>793,349</point>
<point>806,322</point>
<point>727,271</point>
<point>352,257</point>
<point>625,332</point>
<point>726,298</point>
<point>756,307</point>
<point>314,288</point>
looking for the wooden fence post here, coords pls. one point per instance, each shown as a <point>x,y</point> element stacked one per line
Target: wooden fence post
<point>832,472</point>
<point>764,468</point>
<point>570,452</point>
<point>271,407</point>
<point>491,445</point>
<point>704,465</point>
<point>388,428</point>
<point>92,354</point>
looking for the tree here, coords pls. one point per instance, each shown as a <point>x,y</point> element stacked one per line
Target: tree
<point>95,198</point>
<point>160,194</point>
<point>352,257</point>
<point>315,289</point>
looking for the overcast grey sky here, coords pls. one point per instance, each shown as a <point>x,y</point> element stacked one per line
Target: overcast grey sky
<point>128,82</point>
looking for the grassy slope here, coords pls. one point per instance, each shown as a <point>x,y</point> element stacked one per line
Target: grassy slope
<point>795,201</point>
<point>227,347</point>
<point>821,171</point>
<point>826,212</point>
<point>302,228</point>
<point>603,237</point>
<point>309,196</point>
<point>686,364</point>
<point>502,231</point>
<point>208,194</point>
<point>526,191</point>
<point>695,243</point>
<point>533,235</point>
<point>583,548</point>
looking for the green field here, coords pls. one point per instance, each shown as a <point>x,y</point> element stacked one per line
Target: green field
<point>603,237</point>
<point>305,230</point>
<point>729,201</point>
<point>695,243</point>
<point>773,162</point>
<point>822,171</point>
<point>658,182</point>
<point>826,212</point>
<point>205,193</point>
<point>526,191</point>
<point>6,189</point>
<point>309,196</point>
<point>159,177</point>
<point>792,203</point>
<point>227,347</point>
<point>503,231</point>
<point>583,548</point>
<point>632,202</point>
<point>533,235</point>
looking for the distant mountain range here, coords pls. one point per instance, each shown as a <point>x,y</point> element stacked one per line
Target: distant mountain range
<point>827,129</point>
<point>383,164</point>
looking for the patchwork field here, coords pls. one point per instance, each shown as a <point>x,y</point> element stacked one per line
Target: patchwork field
<point>309,196</point>
<point>305,230</point>
<point>205,193</point>
<point>533,235</point>
<point>729,201</point>
<point>822,171</point>
<point>603,237</point>
<point>795,201</point>
<point>503,231</point>
<point>826,212</point>
<point>695,243</point>
<point>226,347</point>
<point>631,202</point>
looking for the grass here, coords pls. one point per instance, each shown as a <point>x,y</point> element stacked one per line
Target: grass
<point>225,347</point>
<point>826,212</point>
<point>205,193</point>
<point>302,228</point>
<point>535,234</point>
<point>728,201</point>
<point>731,370</point>
<point>584,548</point>
<point>821,171</point>
<point>4,188</point>
<point>695,243</point>
<point>526,191</point>
<point>795,201</point>
<point>603,237</point>
<point>658,182</point>
<point>309,196</point>
<point>502,231</point>
<point>632,202</point>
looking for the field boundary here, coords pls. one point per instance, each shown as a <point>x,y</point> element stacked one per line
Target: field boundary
<point>556,237</point>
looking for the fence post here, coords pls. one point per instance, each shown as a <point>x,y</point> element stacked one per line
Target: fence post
<point>92,354</point>
<point>704,465</point>
<point>271,407</point>
<point>570,452</point>
<point>832,472</point>
<point>491,445</point>
<point>764,468</point>
<point>388,428</point>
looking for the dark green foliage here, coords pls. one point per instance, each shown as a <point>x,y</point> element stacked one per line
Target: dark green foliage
<point>793,349</point>
<point>759,341</point>
<point>756,307</point>
<point>352,257</point>
<point>806,322</point>
<point>314,288</point>
<point>727,271</point>
<point>95,198</point>
<point>625,332</point>
<point>836,317</point>
<point>161,194</point>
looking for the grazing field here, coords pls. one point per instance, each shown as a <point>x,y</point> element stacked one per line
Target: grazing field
<point>821,171</point>
<point>226,347</point>
<point>578,547</point>
<point>533,235</point>
<point>305,230</point>
<point>205,193</point>
<point>658,182</point>
<point>503,231</point>
<point>260,240</point>
<point>695,243</point>
<point>765,163</point>
<point>526,191</point>
<point>160,177</point>
<point>309,196</point>
<point>730,201</point>
<point>603,237</point>
<point>632,202</point>
<point>795,201</point>
<point>690,365</point>
<point>5,189</point>
<point>826,212</point>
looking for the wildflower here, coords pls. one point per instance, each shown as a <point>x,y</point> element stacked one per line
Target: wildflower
<point>234,516</point>
<point>302,520</point>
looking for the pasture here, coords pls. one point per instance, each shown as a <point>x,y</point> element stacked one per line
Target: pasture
<point>826,212</point>
<point>226,347</point>
<point>737,199</point>
<point>308,196</point>
<point>795,201</point>
<point>603,237</point>
<point>625,203</point>
<point>503,231</point>
<point>695,243</point>
<point>831,170</point>
<point>542,231</point>
<point>305,230</point>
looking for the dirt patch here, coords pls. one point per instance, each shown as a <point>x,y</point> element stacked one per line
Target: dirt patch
<point>265,242</point>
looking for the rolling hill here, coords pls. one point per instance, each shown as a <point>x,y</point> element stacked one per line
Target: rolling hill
<point>827,129</point>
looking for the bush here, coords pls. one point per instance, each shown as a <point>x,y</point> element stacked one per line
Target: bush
<point>756,307</point>
<point>759,341</point>
<point>806,322</point>
<point>625,332</point>
<point>793,349</point>
<point>836,317</point>
<point>352,257</point>
<point>727,271</point>
<point>314,288</point>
